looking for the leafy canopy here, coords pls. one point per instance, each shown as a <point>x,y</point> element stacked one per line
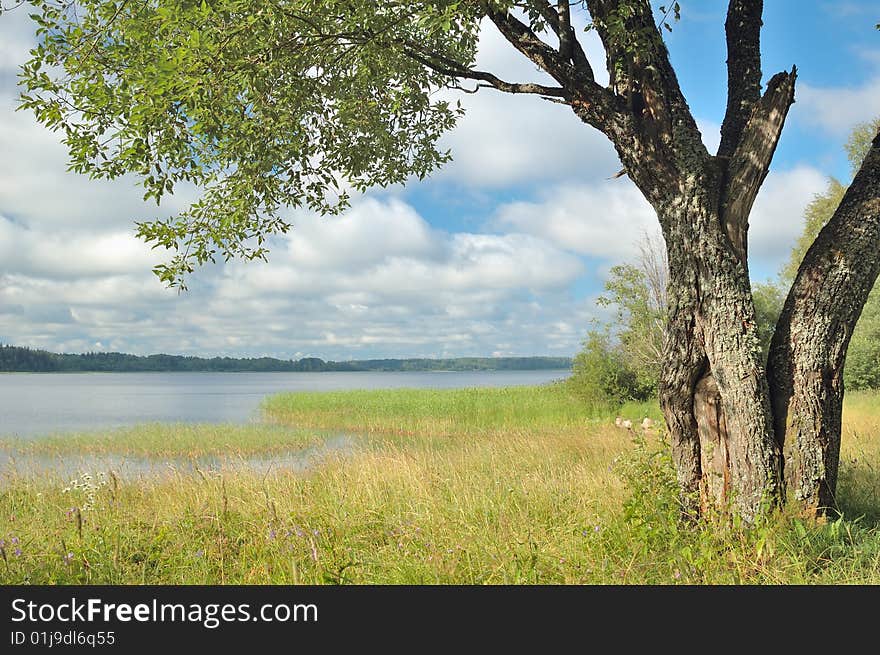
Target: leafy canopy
<point>262,104</point>
<point>268,104</point>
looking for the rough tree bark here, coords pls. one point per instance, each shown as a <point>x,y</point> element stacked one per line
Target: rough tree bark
<point>714,392</point>
<point>809,347</point>
<point>726,433</point>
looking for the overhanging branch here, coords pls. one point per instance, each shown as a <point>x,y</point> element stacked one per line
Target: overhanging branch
<point>449,67</point>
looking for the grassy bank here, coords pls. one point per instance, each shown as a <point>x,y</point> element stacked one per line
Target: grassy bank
<point>451,412</point>
<point>520,485</point>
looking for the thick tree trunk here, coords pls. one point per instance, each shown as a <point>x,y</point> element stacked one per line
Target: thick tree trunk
<point>713,390</point>
<point>727,436</point>
<point>808,350</point>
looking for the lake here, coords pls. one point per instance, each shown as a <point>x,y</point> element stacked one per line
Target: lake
<point>34,404</point>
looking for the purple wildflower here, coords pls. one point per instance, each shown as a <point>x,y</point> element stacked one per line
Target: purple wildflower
<point>18,552</point>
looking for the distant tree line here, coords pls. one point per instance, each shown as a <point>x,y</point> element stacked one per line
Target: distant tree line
<point>18,359</point>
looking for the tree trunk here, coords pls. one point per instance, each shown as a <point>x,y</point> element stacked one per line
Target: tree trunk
<point>727,437</point>
<point>713,390</point>
<point>808,350</point>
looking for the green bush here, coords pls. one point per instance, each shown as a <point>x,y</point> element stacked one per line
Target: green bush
<point>863,358</point>
<point>601,372</point>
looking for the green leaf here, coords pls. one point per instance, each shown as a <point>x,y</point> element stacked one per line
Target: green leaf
<point>254,102</point>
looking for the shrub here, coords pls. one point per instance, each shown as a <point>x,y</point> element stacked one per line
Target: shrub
<point>601,373</point>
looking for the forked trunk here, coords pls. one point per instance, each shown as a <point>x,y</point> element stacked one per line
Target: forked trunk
<point>716,395</point>
<point>727,436</point>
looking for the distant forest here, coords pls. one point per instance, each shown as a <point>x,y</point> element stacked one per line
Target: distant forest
<point>17,359</point>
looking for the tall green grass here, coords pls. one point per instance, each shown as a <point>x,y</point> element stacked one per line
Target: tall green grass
<point>428,412</point>
<point>516,486</point>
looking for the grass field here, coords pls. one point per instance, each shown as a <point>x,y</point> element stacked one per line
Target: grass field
<point>517,485</point>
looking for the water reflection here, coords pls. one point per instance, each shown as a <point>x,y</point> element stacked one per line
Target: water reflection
<point>36,404</point>
<point>130,467</point>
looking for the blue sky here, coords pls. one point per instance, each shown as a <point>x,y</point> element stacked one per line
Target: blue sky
<point>503,252</point>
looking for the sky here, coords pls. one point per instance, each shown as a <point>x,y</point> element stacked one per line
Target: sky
<point>503,252</point>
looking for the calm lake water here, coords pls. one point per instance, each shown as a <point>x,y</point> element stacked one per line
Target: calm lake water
<point>34,404</point>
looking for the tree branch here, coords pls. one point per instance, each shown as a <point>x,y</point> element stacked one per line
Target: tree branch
<point>449,67</point>
<point>570,48</point>
<point>657,139</point>
<point>593,103</point>
<point>566,35</point>
<point>750,161</point>
<point>521,37</point>
<point>743,29</point>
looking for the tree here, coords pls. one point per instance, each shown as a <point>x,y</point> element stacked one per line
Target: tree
<point>769,299</point>
<point>817,214</point>
<point>638,291</point>
<point>862,370</point>
<point>622,361</point>
<point>267,103</point>
<point>863,358</point>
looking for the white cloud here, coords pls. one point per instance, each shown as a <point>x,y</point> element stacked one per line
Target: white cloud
<point>396,257</point>
<point>370,230</point>
<point>604,219</point>
<point>506,140</point>
<point>18,31</point>
<point>72,253</point>
<point>375,281</point>
<point>777,218</point>
<point>838,109</point>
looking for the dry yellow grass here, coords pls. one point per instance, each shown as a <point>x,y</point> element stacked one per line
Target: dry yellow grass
<point>538,494</point>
